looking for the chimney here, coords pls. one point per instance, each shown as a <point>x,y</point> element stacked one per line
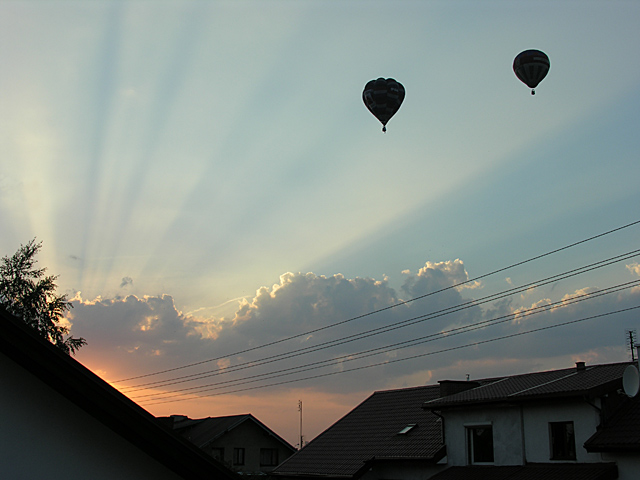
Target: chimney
<point>581,366</point>
<point>451,387</point>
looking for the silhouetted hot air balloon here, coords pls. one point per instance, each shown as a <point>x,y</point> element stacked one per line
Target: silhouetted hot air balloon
<point>383,98</point>
<point>531,66</point>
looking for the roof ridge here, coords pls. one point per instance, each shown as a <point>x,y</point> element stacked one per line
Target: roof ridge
<point>402,389</point>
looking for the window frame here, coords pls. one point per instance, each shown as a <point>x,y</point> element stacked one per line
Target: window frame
<point>218,453</point>
<point>471,444</point>
<point>562,449</point>
<point>238,456</point>
<point>273,457</point>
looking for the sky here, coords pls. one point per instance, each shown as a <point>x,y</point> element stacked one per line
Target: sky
<point>236,233</point>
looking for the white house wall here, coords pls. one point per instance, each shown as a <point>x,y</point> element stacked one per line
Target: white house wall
<point>507,433</point>
<point>43,435</point>
<point>585,419</point>
<point>508,422</point>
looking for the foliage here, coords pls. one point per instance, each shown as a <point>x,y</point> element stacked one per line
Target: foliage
<point>27,293</point>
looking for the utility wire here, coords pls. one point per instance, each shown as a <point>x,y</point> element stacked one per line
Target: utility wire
<point>393,347</point>
<point>458,347</point>
<point>404,302</point>
<point>388,328</point>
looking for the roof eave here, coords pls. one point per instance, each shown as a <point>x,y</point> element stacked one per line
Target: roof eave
<point>368,464</point>
<point>103,402</point>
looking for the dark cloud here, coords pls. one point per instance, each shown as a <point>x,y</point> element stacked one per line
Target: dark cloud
<point>126,281</point>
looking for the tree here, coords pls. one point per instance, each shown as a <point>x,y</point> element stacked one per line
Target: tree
<point>27,293</point>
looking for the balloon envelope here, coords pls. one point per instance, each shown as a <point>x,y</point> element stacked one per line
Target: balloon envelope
<point>531,66</point>
<point>383,98</point>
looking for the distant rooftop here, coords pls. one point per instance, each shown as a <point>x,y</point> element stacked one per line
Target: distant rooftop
<point>201,431</point>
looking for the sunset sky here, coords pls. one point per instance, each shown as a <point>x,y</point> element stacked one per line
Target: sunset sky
<point>235,230</point>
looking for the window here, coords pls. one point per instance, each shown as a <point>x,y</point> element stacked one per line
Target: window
<point>238,456</point>
<point>407,429</point>
<point>269,457</point>
<point>480,444</point>
<point>218,453</point>
<point>563,441</point>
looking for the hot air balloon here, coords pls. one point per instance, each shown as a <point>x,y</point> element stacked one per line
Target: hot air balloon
<point>531,66</point>
<point>383,98</point>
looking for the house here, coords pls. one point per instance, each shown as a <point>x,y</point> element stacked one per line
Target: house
<point>567,424</point>
<point>389,435</point>
<point>240,441</point>
<point>532,425</point>
<point>60,421</point>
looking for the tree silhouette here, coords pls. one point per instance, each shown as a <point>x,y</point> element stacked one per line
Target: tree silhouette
<point>27,293</point>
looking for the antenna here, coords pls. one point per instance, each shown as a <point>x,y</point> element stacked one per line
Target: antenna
<point>301,437</point>
<point>631,342</point>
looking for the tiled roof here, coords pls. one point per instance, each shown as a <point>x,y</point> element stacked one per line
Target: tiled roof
<point>580,471</point>
<point>372,430</point>
<point>202,431</point>
<point>621,432</point>
<point>592,380</point>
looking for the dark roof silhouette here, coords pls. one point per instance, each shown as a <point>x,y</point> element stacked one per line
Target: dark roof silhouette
<point>372,431</point>
<point>103,402</point>
<point>620,433</point>
<point>201,431</point>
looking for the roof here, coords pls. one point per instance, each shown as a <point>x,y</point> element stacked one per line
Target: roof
<point>588,381</point>
<point>370,432</point>
<point>103,402</point>
<point>621,432</point>
<point>203,431</point>
<point>542,471</point>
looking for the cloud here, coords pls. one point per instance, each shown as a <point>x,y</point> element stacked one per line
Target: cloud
<point>126,281</point>
<point>326,322</point>
<point>634,268</point>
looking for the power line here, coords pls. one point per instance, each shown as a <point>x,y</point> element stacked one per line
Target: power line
<point>405,344</point>
<point>275,342</point>
<point>392,327</point>
<point>413,357</point>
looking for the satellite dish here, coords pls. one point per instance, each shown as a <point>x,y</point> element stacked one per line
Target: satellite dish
<point>631,381</point>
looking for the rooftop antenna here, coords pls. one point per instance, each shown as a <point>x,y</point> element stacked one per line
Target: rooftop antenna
<point>301,437</point>
<point>631,342</point>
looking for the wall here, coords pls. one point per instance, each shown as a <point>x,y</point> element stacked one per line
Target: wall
<point>536,420</point>
<point>507,433</point>
<point>43,435</point>
<point>628,464</point>
<point>252,438</point>
<point>507,423</point>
